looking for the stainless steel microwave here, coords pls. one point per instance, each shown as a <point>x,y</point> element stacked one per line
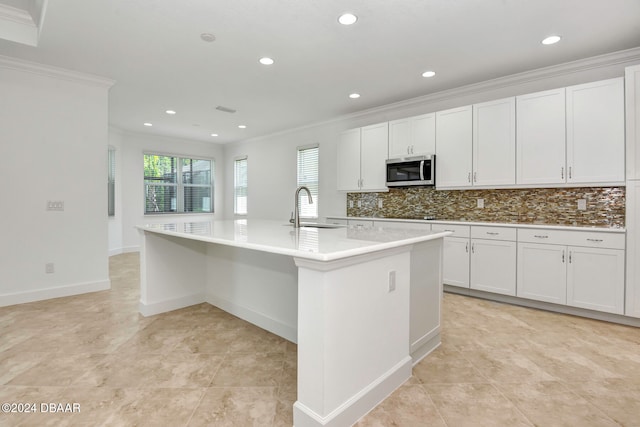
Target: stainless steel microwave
<point>415,170</point>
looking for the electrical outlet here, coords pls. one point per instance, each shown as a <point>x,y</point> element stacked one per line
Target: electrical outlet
<point>481,203</point>
<point>359,203</point>
<point>350,203</point>
<point>380,203</point>
<point>582,204</point>
<point>392,281</point>
<point>49,268</point>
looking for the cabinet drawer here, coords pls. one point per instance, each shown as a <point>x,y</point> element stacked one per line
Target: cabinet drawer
<point>458,230</point>
<point>591,239</point>
<point>403,225</point>
<point>493,233</point>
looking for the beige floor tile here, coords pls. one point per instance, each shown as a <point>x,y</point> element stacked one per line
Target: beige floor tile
<point>232,407</point>
<point>618,398</point>
<point>250,370</point>
<point>446,367</point>
<point>57,370</point>
<point>506,366</point>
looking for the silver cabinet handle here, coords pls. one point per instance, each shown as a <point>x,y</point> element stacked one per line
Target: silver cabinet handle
<point>562,172</point>
<point>563,256</point>
<point>539,236</point>
<point>594,240</point>
<point>469,177</point>
<point>492,233</point>
<point>569,257</point>
<point>473,248</point>
<point>570,172</point>
<point>466,247</point>
<point>453,231</point>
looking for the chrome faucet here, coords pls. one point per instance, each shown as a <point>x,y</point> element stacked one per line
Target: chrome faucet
<point>296,212</point>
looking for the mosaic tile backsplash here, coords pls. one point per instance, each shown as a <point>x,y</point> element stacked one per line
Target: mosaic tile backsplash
<point>549,206</point>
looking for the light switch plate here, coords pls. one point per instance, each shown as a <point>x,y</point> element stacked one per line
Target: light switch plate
<point>380,203</point>
<point>481,203</point>
<point>582,204</point>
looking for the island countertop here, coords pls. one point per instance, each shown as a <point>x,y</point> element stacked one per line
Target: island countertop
<point>320,244</point>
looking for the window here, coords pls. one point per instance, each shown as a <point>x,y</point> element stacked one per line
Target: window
<point>111,182</point>
<point>177,184</point>
<point>240,186</point>
<point>308,176</point>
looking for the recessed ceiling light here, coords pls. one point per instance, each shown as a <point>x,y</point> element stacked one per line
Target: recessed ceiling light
<point>148,124</point>
<point>242,126</point>
<point>428,74</point>
<point>207,37</point>
<point>347,19</point>
<point>266,61</point>
<point>354,96</point>
<point>170,112</point>
<point>551,40</point>
<point>214,134</point>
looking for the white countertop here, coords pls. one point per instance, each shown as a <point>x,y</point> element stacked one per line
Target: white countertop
<point>321,244</point>
<point>490,224</point>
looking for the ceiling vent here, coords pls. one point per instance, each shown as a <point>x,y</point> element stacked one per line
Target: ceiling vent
<point>225,109</point>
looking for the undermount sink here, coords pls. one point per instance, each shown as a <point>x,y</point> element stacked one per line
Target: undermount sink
<point>319,225</point>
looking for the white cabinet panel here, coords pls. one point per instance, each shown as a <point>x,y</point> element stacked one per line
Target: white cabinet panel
<point>348,162</point>
<point>542,272</point>
<point>457,230</point>
<point>595,279</point>
<point>493,266</point>
<point>632,299</point>
<point>455,269</point>
<point>412,136</point>
<point>540,138</point>
<point>454,136</point>
<point>494,142</point>
<point>632,100</point>
<point>595,132</point>
<point>373,154</point>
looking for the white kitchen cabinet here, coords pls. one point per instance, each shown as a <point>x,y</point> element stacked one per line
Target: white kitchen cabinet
<point>456,252</point>
<point>540,138</point>
<point>493,260</point>
<point>578,268</point>
<point>595,132</point>
<point>632,100</point>
<point>362,153</point>
<point>542,272</point>
<point>632,297</point>
<point>454,141</point>
<point>595,279</point>
<point>494,142</point>
<point>412,136</point>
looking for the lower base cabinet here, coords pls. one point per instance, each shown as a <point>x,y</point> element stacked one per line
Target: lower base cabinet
<point>455,269</point>
<point>493,266</point>
<point>542,272</point>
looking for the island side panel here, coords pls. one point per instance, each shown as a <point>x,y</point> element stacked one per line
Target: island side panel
<point>426,298</point>
<point>353,335</point>
<point>259,287</point>
<point>172,273</point>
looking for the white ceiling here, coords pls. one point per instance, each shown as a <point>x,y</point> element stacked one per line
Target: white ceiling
<point>153,50</point>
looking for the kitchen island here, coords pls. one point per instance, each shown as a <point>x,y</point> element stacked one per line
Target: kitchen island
<point>363,305</point>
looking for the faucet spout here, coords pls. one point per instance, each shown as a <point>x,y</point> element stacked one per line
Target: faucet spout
<point>296,212</point>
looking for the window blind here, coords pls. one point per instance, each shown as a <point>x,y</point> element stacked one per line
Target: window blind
<point>240,186</point>
<point>308,158</point>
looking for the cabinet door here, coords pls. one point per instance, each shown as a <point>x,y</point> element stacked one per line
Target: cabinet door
<point>399,138</point>
<point>632,100</point>
<point>348,162</point>
<point>542,272</point>
<point>374,146</point>
<point>632,289</point>
<point>453,147</point>
<point>494,142</point>
<point>455,269</point>
<point>423,134</point>
<point>493,266</point>
<point>595,132</point>
<point>595,279</point>
<point>540,138</point>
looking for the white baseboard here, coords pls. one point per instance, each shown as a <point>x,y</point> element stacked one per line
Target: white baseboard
<point>170,305</point>
<point>361,403</point>
<point>283,330</point>
<point>57,292</point>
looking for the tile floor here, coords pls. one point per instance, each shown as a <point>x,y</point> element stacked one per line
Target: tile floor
<point>499,365</point>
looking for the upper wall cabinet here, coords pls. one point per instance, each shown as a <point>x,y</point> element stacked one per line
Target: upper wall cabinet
<point>412,136</point>
<point>541,138</point>
<point>454,136</point>
<point>595,132</point>
<point>361,158</point>
<point>632,99</point>
<point>494,142</point>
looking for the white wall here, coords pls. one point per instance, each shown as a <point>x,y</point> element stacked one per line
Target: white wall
<point>53,146</point>
<point>130,194</point>
<point>115,222</point>
<point>272,158</point>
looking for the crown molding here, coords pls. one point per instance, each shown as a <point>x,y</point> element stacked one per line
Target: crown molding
<point>54,72</point>
<point>16,15</point>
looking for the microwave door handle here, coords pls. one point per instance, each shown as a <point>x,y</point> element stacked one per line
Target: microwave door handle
<point>421,170</point>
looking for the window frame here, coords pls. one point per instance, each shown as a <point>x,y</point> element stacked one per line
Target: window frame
<point>314,188</point>
<point>236,187</point>
<point>179,184</point>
